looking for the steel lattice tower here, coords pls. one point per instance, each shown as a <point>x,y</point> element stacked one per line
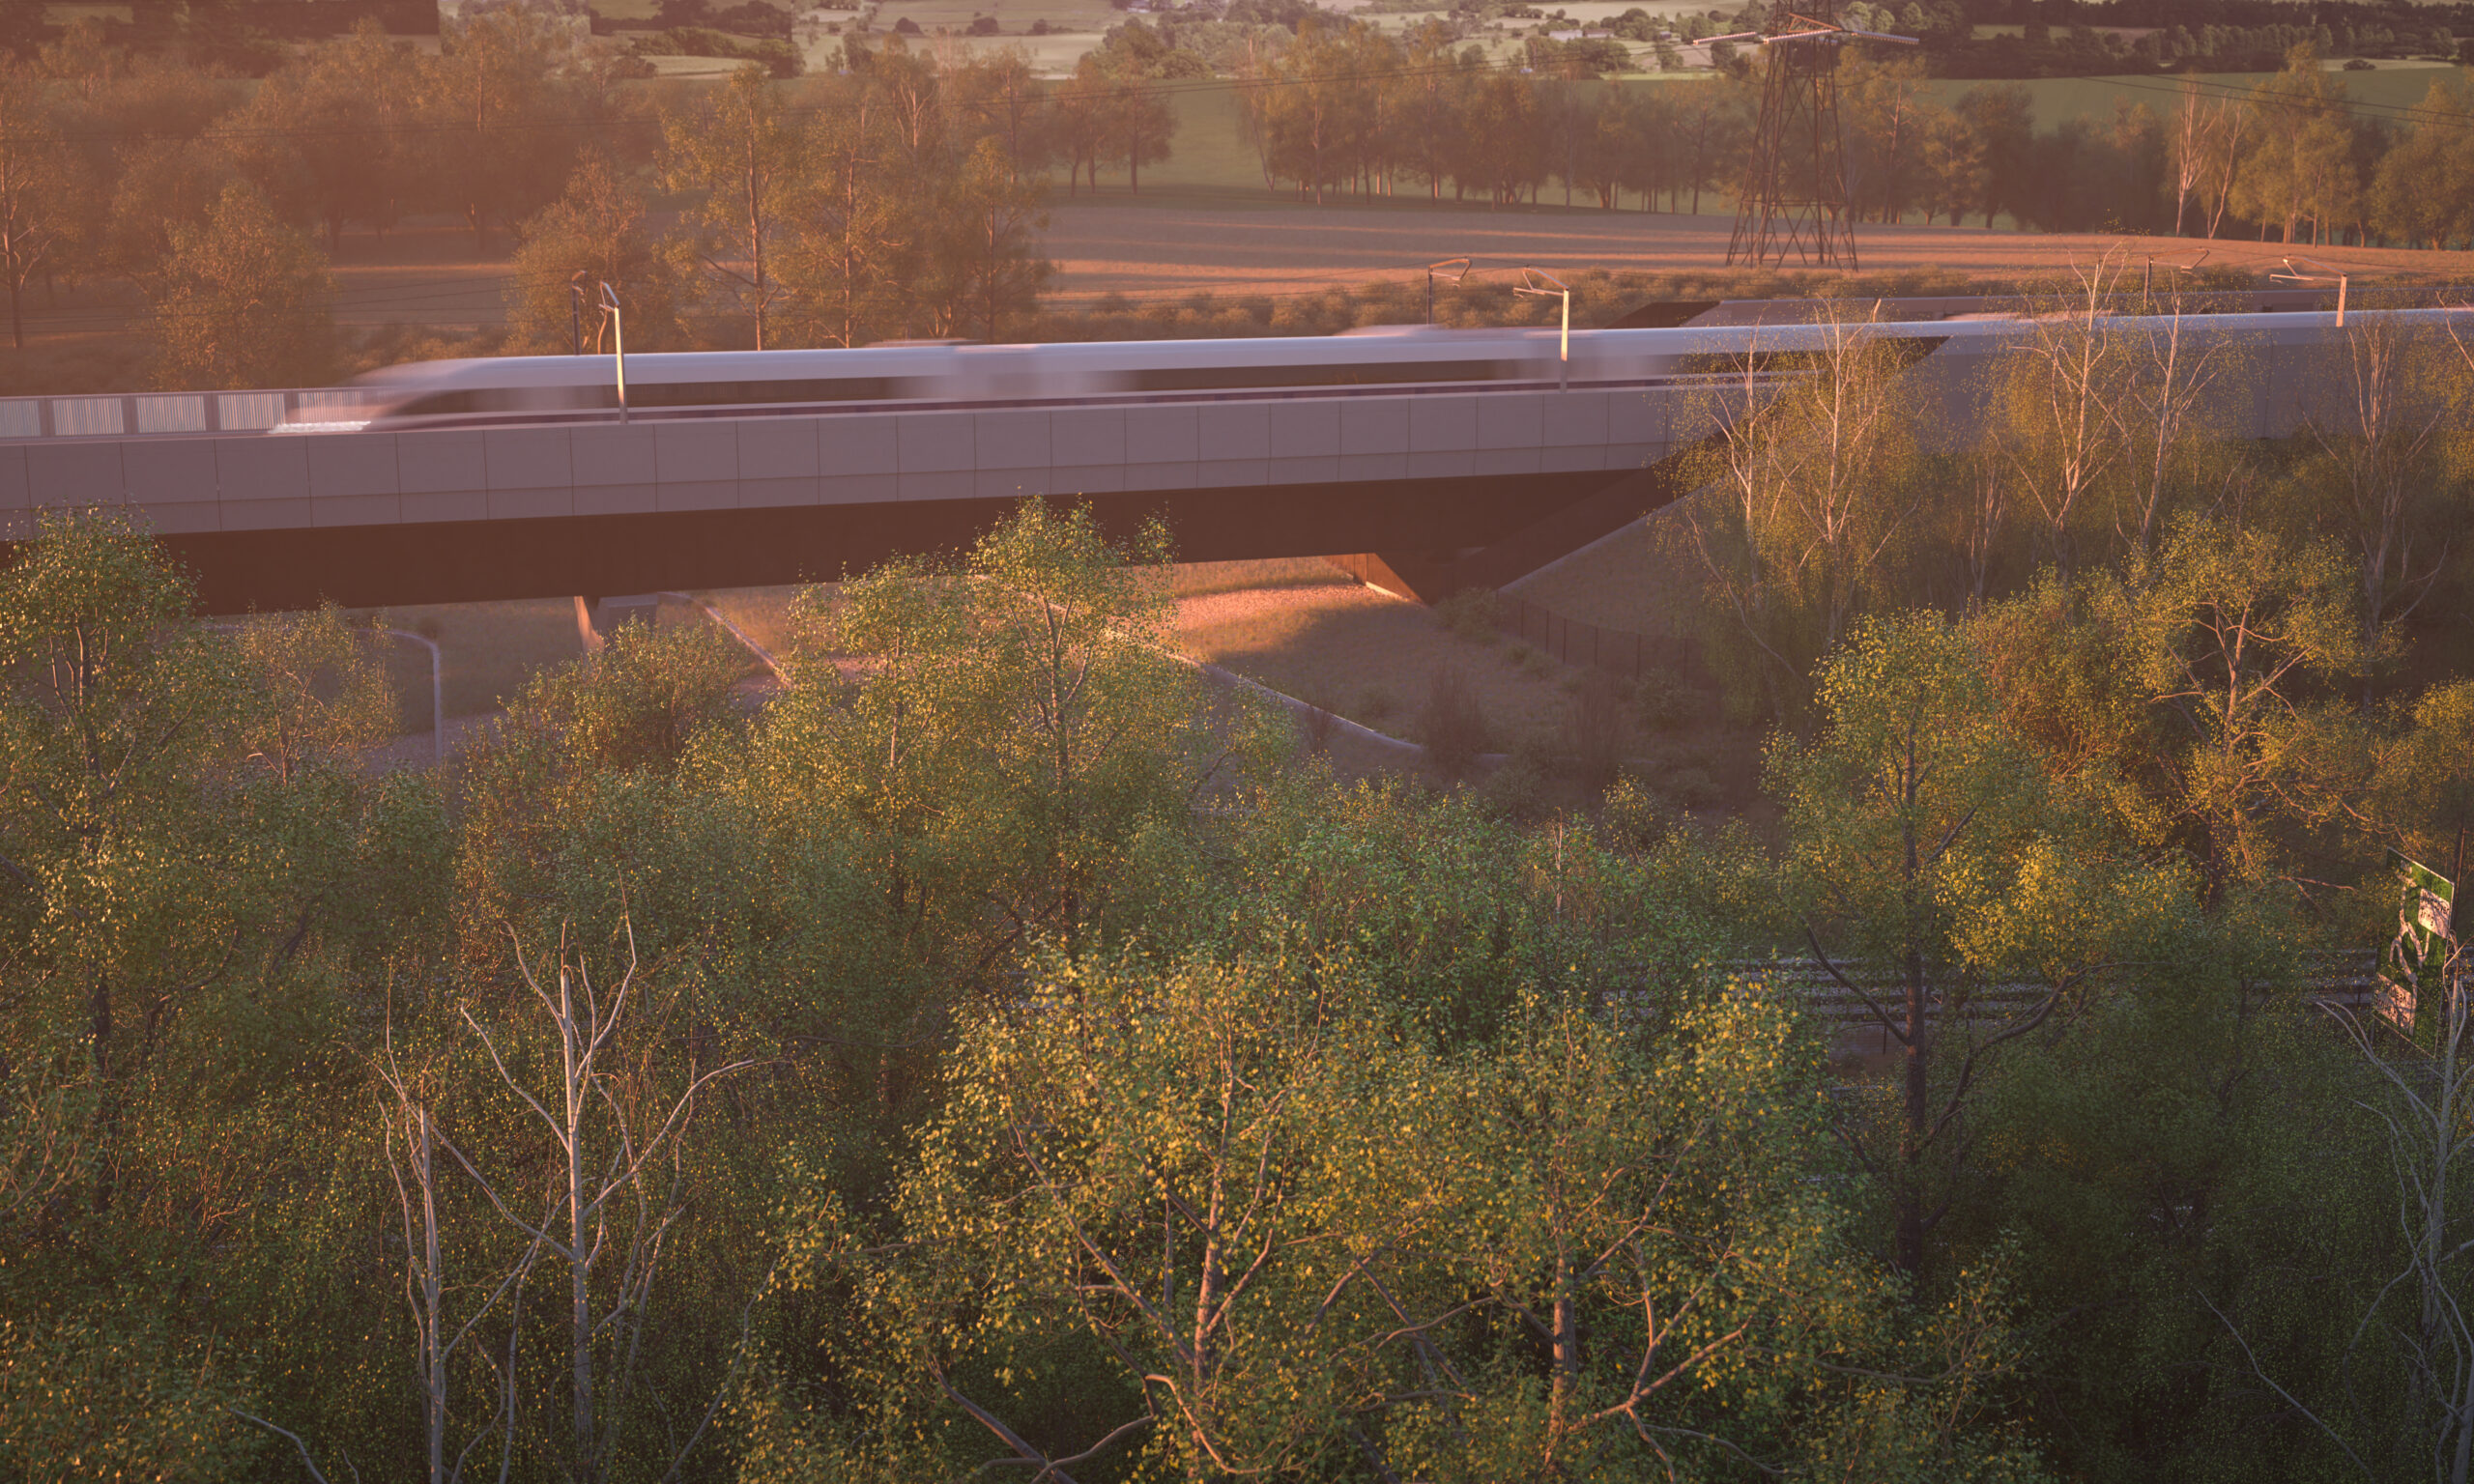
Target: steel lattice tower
<point>1795,192</point>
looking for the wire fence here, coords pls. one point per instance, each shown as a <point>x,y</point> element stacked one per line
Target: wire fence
<point>2326,980</point>
<point>1617,651</point>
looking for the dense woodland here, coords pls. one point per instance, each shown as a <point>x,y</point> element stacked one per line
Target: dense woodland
<point>903,195</point>
<point>1000,1052</point>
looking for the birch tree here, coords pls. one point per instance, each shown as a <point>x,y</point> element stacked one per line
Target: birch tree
<point>1218,1220</point>
<point>593,234</point>
<point>2235,636</point>
<point>2167,408</point>
<point>41,200</point>
<point>1924,839</point>
<point>1814,479</point>
<point>2057,406</point>
<point>242,299</point>
<point>2389,438</point>
<point>421,1162</point>
<point>606,1209</point>
<point>851,228</point>
<point>736,151</point>
<point>982,267</point>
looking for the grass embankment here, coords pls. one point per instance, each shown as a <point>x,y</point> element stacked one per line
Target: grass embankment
<point>1298,626</point>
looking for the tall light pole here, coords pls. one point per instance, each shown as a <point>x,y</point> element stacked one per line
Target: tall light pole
<point>2333,275</point>
<point>436,691</point>
<point>1537,283</point>
<point>1434,268</point>
<point>2147,279</point>
<point>618,332</point>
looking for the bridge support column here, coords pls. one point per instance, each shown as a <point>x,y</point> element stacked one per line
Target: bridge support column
<point>1419,579</point>
<point>597,618</point>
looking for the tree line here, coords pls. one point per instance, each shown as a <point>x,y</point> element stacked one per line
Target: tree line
<point>2081,38</point>
<point>1352,109</point>
<point>877,203</point>
<point>902,194</point>
<point>1001,1051</point>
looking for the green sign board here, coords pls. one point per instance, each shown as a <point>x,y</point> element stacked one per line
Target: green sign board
<point>2417,959</point>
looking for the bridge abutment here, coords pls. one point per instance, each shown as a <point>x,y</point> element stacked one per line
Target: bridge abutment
<point>598,620</point>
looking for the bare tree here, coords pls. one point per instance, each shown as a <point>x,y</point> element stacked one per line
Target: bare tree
<point>2163,395</point>
<point>2059,407</point>
<point>738,152</point>
<point>413,1147</point>
<point>1814,472</point>
<point>2396,398</point>
<point>39,195</point>
<point>2196,126</point>
<point>1983,515</point>
<point>2427,1122</point>
<point>602,1180</point>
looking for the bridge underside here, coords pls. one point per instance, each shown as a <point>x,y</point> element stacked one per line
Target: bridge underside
<point>1420,537</point>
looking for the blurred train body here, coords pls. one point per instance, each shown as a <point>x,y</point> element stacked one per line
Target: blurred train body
<point>1748,361</point>
<point>517,389</point>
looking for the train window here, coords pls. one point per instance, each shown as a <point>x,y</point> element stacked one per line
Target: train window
<point>1248,378</point>
<point>849,388</point>
<point>1904,350</point>
<point>451,404</point>
<point>1736,364</point>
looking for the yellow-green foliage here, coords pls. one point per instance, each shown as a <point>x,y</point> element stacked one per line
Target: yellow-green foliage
<point>1235,1214</point>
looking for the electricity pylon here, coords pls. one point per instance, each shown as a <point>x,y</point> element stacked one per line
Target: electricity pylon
<point>1795,191</point>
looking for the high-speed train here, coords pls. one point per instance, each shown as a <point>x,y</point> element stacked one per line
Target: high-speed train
<point>513,389</point>
<point>518,389</point>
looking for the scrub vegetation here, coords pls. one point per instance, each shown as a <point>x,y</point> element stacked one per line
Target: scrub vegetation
<point>1003,1050</point>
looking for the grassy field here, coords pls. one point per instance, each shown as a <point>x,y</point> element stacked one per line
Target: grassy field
<point>1289,625</point>
<point>1298,625</point>
<point>1014,18</point>
<point>488,652</point>
<point>1371,658</point>
<point>1635,579</point>
<point>1166,245</point>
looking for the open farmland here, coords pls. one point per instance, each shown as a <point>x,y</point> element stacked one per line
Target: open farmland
<point>1270,246</point>
<point>1171,243</point>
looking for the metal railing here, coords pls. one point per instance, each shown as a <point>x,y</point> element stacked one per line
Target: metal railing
<point>2341,980</point>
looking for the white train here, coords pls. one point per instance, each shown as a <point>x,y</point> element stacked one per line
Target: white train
<point>736,383</point>
<point>512,389</point>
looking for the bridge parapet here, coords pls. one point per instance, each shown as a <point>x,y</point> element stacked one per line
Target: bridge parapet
<point>235,482</point>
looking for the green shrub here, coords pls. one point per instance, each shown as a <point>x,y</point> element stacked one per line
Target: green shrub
<point>1471,613</point>
<point>1659,700</point>
<point>1450,727</point>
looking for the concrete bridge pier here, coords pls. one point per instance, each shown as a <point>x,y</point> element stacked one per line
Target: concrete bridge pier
<point>599,618</point>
